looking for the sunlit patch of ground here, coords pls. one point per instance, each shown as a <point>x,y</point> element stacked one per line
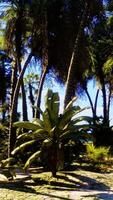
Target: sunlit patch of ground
<point>74,185</point>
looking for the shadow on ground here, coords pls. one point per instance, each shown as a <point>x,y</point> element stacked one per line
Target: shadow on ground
<point>102,196</point>
<point>64,181</point>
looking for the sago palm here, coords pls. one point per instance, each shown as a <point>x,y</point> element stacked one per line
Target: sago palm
<point>52,131</point>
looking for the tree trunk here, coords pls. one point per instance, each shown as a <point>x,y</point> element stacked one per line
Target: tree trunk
<point>105,120</point>
<point>12,133</point>
<point>95,106</point>
<point>109,102</point>
<point>41,83</point>
<point>31,97</point>
<point>44,61</point>
<point>3,89</point>
<point>70,76</point>
<point>90,101</point>
<point>18,44</point>
<point>24,103</point>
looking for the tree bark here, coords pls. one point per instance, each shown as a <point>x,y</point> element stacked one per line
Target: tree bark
<point>95,105</point>
<point>90,101</point>
<point>41,83</point>
<point>44,62</point>
<point>31,97</point>
<point>70,76</point>
<point>24,102</point>
<point>109,102</point>
<point>12,134</point>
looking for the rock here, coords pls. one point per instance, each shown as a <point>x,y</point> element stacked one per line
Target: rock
<point>3,178</point>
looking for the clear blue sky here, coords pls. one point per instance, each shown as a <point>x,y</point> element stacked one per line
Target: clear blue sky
<point>81,101</point>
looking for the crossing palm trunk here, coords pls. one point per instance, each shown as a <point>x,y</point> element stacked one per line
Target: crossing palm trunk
<point>71,70</point>
<point>41,83</point>
<point>31,97</point>
<point>12,133</point>
<point>44,61</point>
<point>24,101</point>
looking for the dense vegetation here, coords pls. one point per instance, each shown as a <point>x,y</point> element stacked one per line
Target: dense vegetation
<point>73,41</point>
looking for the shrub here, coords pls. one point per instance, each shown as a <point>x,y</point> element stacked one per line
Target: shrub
<point>97,154</point>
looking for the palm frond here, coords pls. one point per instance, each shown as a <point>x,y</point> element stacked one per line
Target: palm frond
<point>31,159</point>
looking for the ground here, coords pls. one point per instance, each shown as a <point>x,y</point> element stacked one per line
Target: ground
<point>75,184</point>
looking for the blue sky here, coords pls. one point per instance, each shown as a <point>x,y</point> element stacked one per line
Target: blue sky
<point>81,101</point>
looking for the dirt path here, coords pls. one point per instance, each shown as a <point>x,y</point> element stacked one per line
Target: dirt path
<point>68,185</point>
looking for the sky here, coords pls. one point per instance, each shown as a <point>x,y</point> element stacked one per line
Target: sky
<point>81,101</point>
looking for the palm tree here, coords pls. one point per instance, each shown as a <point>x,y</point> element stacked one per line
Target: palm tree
<point>52,131</point>
<point>15,46</point>
<point>5,74</point>
<point>87,16</point>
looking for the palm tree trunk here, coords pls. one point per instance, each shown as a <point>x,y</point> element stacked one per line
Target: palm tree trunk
<point>3,89</point>
<point>90,101</point>
<point>44,62</point>
<point>41,83</point>
<point>31,97</point>
<point>24,103</point>
<point>105,115</point>
<point>70,76</point>
<point>109,102</point>
<point>18,41</point>
<point>12,134</point>
<point>95,106</point>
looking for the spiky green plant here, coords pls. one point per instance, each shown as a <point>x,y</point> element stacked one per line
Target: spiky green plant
<point>53,131</point>
<point>97,154</point>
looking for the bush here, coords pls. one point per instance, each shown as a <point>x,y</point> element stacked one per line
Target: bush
<point>97,154</point>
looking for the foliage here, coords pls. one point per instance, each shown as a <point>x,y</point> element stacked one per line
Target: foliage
<point>97,154</point>
<point>51,133</point>
<point>3,141</point>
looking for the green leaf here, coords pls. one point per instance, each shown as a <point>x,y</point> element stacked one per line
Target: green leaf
<point>22,147</point>
<point>69,105</point>
<point>6,161</point>
<point>31,159</point>
<point>82,119</point>
<point>25,136</point>
<point>52,105</point>
<point>67,116</point>
<point>38,122</point>
<point>27,125</point>
<point>47,143</point>
<point>39,109</point>
<point>40,133</point>
<point>47,122</point>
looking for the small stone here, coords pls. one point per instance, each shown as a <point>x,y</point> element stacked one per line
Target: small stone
<point>3,178</point>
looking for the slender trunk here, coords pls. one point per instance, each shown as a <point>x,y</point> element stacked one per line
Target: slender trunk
<point>31,97</point>
<point>41,83</point>
<point>44,61</point>
<point>3,90</point>
<point>95,106</point>
<point>12,134</point>
<point>102,81</point>
<point>90,101</point>
<point>18,44</point>
<point>24,102</point>
<point>109,102</point>
<point>70,76</point>
<point>105,119</point>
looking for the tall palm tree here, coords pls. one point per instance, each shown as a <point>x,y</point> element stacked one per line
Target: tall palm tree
<point>5,74</point>
<point>86,18</point>
<point>15,46</point>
